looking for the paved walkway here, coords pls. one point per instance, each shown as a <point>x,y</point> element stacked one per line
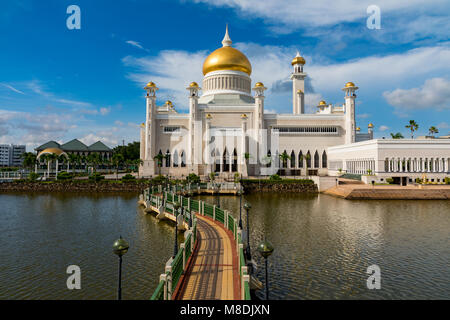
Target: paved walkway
<point>213,271</point>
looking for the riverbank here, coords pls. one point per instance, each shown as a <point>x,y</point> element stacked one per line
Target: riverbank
<point>74,186</point>
<point>280,186</point>
<point>365,192</point>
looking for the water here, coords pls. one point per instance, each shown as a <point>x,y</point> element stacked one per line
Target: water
<point>323,246</point>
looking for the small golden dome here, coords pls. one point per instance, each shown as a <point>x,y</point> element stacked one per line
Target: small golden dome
<point>322,103</point>
<point>243,116</point>
<point>259,85</point>
<point>299,91</point>
<point>358,129</point>
<point>298,60</point>
<point>227,58</point>
<point>142,124</point>
<point>169,102</point>
<point>56,151</point>
<point>370,125</point>
<point>209,116</point>
<point>193,84</point>
<point>150,85</point>
<point>349,84</point>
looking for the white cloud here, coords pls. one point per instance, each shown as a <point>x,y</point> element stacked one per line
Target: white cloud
<point>173,70</point>
<point>399,19</point>
<point>383,128</point>
<point>443,125</point>
<point>108,139</point>
<point>363,115</point>
<point>435,93</point>
<point>136,44</point>
<point>10,87</point>
<point>105,111</point>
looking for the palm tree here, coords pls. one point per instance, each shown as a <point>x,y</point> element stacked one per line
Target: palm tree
<point>117,160</point>
<point>413,126</point>
<point>159,157</point>
<point>138,163</point>
<point>398,135</point>
<point>29,159</point>
<point>72,159</point>
<point>284,157</point>
<point>433,130</point>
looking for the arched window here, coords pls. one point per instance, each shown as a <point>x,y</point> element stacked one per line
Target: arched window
<point>292,159</point>
<point>308,160</point>
<point>324,159</point>
<point>167,157</point>
<point>300,159</point>
<point>316,160</point>
<point>226,161</point>
<point>235,162</point>
<point>183,159</point>
<point>269,159</point>
<point>175,158</point>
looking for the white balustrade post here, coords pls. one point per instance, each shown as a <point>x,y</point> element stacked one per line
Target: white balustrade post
<point>182,247</point>
<point>214,212</point>
<point>163,277</point>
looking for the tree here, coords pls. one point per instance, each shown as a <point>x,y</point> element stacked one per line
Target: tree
<point>72,160</point>
<point>159,158</point>
<point>397,135</point>
<point>413,126</point>
<point>130,151</point>
<point>433,130</point>
<point>117,160</point>
<point>284,158</point>
<point>29,159</point>
<point>138,163</point>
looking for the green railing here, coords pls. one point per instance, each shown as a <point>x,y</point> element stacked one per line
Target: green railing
<point>177,265</point>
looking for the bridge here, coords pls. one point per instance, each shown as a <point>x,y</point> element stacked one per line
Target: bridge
<point>12,175</point>
<point>210,264</point>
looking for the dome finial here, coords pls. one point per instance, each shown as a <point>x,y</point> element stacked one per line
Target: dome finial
<point>226,42</point>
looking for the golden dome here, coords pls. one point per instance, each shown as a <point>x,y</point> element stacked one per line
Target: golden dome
<point>358,129</point>
<point>259,85</point>
<point>298,59</point>
<point>193,84</point>
<point>349,84</point>
<point>169,102</point>
<point>322,103</point>
<point>299,91</point>
<point>371,125</point>
<point>150,85</point>
<point>56,151</point>
<point>227,58</point>
<point>243,116</point>
<point>209,116</point>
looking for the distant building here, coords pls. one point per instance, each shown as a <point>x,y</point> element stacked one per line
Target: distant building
<point>11,155</point>
<point>77,147</point>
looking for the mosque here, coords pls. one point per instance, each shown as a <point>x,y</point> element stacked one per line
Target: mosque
<point>226,130</point>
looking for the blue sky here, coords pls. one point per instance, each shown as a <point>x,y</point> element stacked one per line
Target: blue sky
<point>59,84</point>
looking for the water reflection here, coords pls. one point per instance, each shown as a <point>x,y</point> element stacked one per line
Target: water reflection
<point>323,245</point>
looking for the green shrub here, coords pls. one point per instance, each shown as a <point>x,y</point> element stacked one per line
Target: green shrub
<point>128,178</point>
<point>275,177</point>
<point>390,180</point>
<point>65,176</point>
<point>96,177</point>
<point>193,178</point>
<point>158,179</point>
<point>418,180</point>
<point>283,181</point>
<point>33,176</point>
<point>447,180</point>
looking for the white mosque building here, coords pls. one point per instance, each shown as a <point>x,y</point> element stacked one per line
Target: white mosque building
<point>226,130</point>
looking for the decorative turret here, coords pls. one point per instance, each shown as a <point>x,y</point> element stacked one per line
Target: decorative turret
<point>370,130</point>
<point>298,84</point>
<point>350,96</point>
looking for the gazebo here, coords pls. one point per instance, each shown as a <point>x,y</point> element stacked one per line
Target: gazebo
<point>51,151</point>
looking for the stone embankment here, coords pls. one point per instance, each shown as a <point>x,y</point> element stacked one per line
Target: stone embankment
<point>391,192</point>
<point>103,186</point>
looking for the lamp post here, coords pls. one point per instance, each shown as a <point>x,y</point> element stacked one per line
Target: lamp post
<point>176,207</point>
<point>265,248</point>
<point>120,247</point>
<point>247,207</point>
<point>240,208</point>
<point>216,188</point>
<point>190,210</point>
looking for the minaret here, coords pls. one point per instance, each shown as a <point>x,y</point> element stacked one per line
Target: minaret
<point>193,118</point>
<point>350,96</point>
<point>258,117</point>
<point>226,42</point>
<point>370,130</point>
<point>150,130</point>
<point>298,84</point>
